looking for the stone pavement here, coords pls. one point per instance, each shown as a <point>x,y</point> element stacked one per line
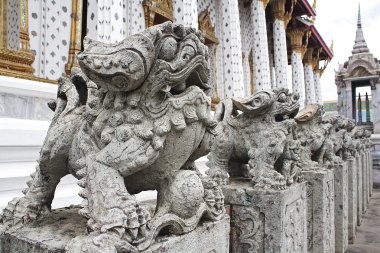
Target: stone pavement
<point>368,233</point>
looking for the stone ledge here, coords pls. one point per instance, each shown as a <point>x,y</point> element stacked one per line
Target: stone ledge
<point>52,233</point>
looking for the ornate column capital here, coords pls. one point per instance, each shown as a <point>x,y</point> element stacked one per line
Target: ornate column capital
<point>308,57</point>
<point>296,39</point>
<point>265,2</point>
<point>280,13</point>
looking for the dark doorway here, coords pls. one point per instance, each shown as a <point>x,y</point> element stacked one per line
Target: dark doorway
<point>362,103</point>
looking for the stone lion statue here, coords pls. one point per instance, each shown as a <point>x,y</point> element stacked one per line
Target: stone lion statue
<point>255,139</point>
<point>314,136</point>
<point>134,117</point>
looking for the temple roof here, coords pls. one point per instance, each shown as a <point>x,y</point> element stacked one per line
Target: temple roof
<point>303,7</point>
<point>360,45</point>
<point>316,39</point>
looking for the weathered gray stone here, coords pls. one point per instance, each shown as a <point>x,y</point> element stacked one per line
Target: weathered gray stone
<point>370,160</point>
<point>360,189</point>
<point>352,199</point>
<point>369,184</point>
<point>375,142</point>
<point>134,117</point>
<point>320,210</point>
<point>365,181</point>
<point>258,143</point>
<point>55,231</point>
<point>341,207</point>
<point>267,220</point>
<point>24,107</point>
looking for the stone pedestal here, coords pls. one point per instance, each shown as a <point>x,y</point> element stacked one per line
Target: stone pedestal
<point>53,233</point>
<point>375,159</point>
<point>267,220</point>
<point>368,169</point>
<point>360,189</point>
<point>370,172</point>
<point>320,211</point>
<point>365,182</point>
<point>341,207</point>
<point>352,199</point>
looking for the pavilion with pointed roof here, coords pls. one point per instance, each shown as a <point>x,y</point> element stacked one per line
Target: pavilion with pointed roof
<point>362,69</point>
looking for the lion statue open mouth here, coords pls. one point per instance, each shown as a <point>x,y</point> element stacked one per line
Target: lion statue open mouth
<point>134,117</point>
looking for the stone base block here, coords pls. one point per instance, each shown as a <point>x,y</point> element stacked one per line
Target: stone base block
<point>341,207</point>
<point>370,161</point>
<point>352,199</point>
<point>360,189</point>
<point>267,220</point>
<point>375,160</point>
<point>320,211</point>
<point>53,233</point>
<point>365,182</point>
<point>368,170</point>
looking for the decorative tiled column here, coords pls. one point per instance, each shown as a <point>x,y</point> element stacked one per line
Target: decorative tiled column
<point>231,49</point>
<point>281,19</point>
<point>309,77</point>
<point>271,54</point>
<point>317,86</point>
<point>260,46</point>
<point>186,13</point>
<point>298,51</point>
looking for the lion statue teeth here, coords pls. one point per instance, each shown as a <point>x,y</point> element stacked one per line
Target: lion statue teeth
<point>134,117</point>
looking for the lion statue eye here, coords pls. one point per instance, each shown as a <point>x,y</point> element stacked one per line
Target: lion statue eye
<point>168,49</point>
<point>282,98</point>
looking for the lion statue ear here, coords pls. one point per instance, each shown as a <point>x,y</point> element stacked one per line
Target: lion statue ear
<point>307,113</point>
<point>255,104</point>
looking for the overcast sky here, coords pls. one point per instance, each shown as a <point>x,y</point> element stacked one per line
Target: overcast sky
<point>336,20</point>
